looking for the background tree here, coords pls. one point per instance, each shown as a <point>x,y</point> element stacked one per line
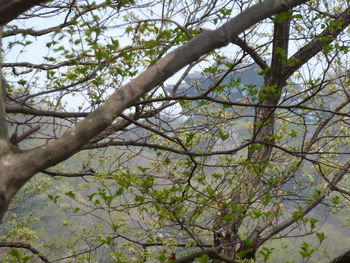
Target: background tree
<point>213,163</point>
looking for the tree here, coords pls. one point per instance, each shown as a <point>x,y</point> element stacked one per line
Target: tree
<point>225,175</point>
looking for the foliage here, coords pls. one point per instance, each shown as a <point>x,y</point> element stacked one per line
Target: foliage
<point>243,152</point>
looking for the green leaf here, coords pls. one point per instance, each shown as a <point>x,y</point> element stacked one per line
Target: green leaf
<point>228,218</point>
<point>70,194</point>
<point>148,182</point>
<point>115,227</point>
<point>142,169</point>
<point>109,240</point>
<point>313,222</point>
<point>265,252</point>
<point>190,137</point>
<point>139,198</point>
<point>293,133</point>
<point>244,252</point>
<point>119,191</point>
<point>163,255</point>
<point>216,175</point>
<point>204,258</point>
<point>335,200</point>
<point>167,161</point>
<point>223,136</point>
<point>53,198</point>
<point>14,252</point>
<point>22,82</point>
<point>305,250</point>
<point>321,236</point>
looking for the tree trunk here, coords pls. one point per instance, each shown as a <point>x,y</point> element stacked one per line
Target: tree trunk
<point>345,258</point>
<point>226,233</point>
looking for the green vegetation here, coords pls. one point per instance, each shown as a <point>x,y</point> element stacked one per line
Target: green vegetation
<point>174,131</point>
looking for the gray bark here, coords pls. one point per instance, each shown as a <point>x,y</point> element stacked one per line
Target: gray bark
<point>10,9</point>
<point>226,233</point>
<point>344,258</point>
<point>3,124</point>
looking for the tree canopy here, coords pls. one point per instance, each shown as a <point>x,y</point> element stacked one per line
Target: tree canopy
<point>174,131</point>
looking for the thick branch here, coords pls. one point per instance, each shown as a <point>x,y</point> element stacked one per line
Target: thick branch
<point>18,108</point>
<point>251,51</point>
<point>225,233</point>
<point>264,117</point>
<point>10,9</point>
<point>15,139</point>
<point>3,122</point>
<point>37,33</point>
<point>313,47</point>
<point>76,137</point>
<point>345,258</point>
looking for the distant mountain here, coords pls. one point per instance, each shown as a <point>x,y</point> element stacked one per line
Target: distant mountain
<point>198,82</point>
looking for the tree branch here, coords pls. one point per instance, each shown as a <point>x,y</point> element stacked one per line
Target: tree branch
<point>305,53</point>
<point>205,42</point>
<point>16,139</point>
<point>25,246</point>
<point>18,108</point>
<point>251,51</point>
<point>10,9</point>
<point>283,225</point>
<point>39,159</point>
<point>3,122</point>
<point>344,258</point>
